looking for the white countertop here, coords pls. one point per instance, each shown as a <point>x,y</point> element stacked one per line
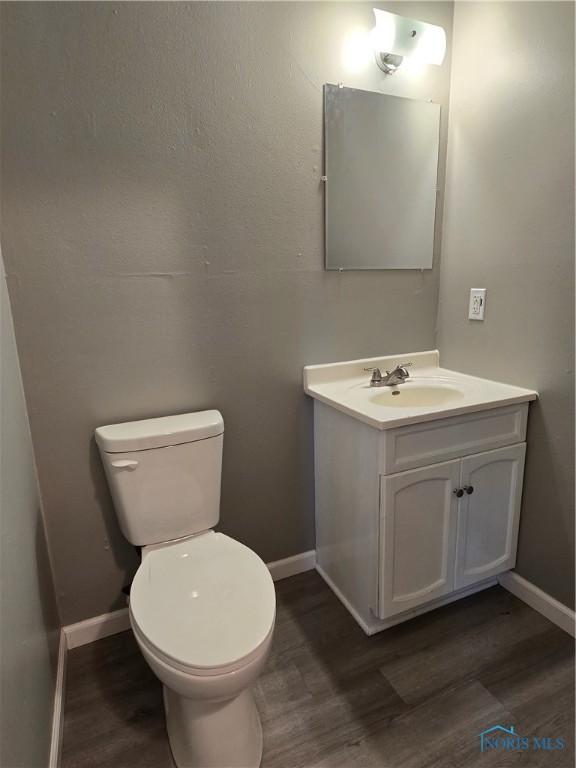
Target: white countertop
<point>430,393</point>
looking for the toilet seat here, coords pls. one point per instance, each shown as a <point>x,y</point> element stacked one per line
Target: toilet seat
<point>204,605</point>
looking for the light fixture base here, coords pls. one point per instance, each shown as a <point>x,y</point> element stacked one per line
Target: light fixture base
<point>388,62</point>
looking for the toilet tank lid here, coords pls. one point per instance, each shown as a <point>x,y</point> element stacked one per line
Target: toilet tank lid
<point>160,432</point>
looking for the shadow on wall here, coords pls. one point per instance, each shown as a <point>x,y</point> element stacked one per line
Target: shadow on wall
<point>556,492</point>
<point>115,541</point>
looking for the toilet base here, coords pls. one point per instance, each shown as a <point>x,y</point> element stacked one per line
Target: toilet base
<point>214,734</point>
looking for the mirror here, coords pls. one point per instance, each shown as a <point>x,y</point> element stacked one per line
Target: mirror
<point>381,166</point>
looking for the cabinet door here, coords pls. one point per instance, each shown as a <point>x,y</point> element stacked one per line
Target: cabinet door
<point>418,515</point>
<point>488,517</point>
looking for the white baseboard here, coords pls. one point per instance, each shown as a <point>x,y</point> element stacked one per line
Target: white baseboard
<point>90,630</point>
<point>58,712</point>
<point>548,606</point>
<point>291,566</point>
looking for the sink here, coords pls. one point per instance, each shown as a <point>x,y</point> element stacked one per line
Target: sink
<point>431,392</point>
<point>414,395</point>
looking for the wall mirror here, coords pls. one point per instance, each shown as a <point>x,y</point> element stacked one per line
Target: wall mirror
<point>381,167</point>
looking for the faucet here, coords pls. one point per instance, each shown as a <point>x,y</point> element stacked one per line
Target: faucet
<point>392,378</point>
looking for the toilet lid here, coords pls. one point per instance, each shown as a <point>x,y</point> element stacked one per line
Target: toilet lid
<point>204,602</point>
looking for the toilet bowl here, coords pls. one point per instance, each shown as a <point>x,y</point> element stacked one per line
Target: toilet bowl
<point>202,605</point>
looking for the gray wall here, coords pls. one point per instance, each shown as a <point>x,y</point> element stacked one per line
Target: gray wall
<point>162,221</point>
<point>29,625</point>
<point>509,227</point>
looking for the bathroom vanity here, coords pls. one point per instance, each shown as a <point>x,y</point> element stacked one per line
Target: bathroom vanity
<point>418,485</point>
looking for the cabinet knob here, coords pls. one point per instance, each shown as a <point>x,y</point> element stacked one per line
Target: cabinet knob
<point>469,489</point>
<point>459,492</point>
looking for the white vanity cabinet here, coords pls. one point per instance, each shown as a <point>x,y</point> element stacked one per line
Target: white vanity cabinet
<point>393,544</point>
<point>418,483</point>
<point>447,526</point>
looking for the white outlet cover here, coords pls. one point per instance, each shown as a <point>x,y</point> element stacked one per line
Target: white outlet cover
<point>477,304</point>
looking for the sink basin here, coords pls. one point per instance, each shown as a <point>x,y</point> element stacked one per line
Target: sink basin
<point>413,395</point>
<point>431,392</point>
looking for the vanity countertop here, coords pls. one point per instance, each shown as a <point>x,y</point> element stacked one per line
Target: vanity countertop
<point>430,393</point>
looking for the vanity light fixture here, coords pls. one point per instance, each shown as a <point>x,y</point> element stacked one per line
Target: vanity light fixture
<point>396,40</point>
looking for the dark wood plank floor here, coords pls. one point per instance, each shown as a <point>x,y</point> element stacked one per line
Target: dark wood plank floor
<point>415,696</point>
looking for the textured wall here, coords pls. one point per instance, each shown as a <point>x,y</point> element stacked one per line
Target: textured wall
<point>509,227</point>
<point>29,626</point>
<point>162,228</point>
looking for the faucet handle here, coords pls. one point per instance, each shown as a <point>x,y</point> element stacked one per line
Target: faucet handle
<point>376,375</point>
<point>401,371</point>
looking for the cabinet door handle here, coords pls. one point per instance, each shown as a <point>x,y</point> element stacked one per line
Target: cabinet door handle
<point>469,489</point>
<point>459,492</point>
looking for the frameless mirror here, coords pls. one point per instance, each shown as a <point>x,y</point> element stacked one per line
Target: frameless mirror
<point>381,166</point>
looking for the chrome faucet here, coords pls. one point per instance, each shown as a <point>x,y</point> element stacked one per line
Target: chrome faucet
<point>392,378</point>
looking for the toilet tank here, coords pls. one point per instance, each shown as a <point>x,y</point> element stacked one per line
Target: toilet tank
<point>164,474</point>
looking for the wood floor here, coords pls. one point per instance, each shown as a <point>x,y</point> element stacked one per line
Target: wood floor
<point>415,696</point>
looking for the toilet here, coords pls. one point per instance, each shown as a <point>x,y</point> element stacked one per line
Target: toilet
<point>202,605</point>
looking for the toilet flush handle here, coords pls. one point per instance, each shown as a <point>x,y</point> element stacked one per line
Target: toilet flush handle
<point>128,464</point>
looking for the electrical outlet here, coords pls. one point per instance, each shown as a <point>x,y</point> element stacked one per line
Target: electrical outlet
<point>477,304</point>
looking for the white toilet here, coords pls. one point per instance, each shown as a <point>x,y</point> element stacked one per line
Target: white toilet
<point>202,605</point>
